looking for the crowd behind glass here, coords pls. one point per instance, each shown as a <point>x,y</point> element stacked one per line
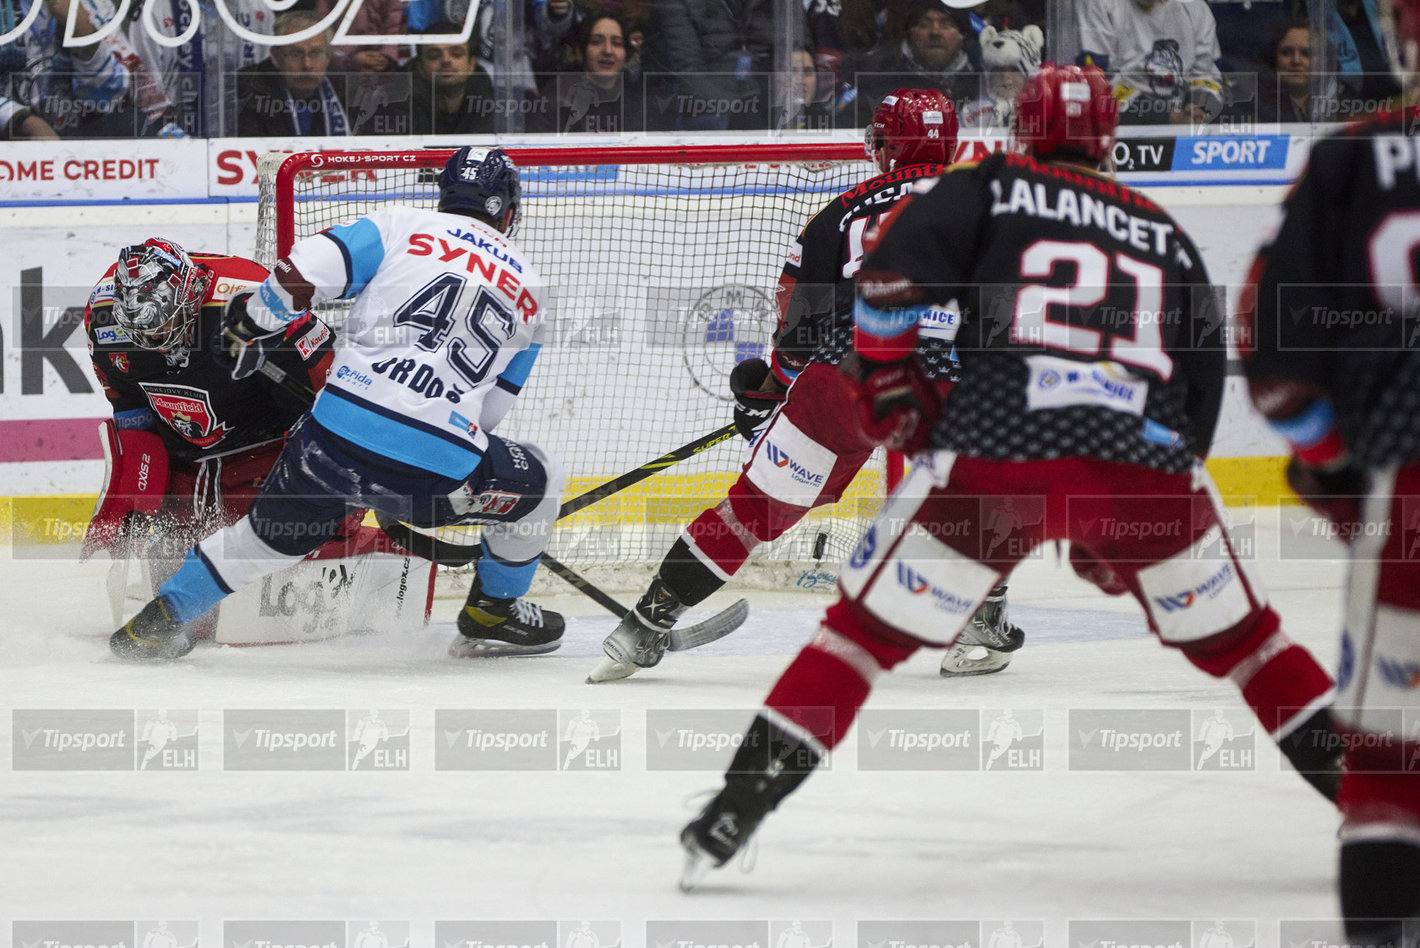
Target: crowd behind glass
<point>173,68</point>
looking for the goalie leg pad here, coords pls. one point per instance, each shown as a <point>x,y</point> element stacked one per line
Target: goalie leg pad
<point>136,481</point>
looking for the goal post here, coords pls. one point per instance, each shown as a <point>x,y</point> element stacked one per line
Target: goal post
<point>662,264</point>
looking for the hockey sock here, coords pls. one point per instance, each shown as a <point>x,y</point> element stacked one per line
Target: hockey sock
<point>1380,890</point>
<point>774,758</point>
<point>1315,749</point>
<point>687,575</point>
<point>823,688</point>
<point>1279,679</point>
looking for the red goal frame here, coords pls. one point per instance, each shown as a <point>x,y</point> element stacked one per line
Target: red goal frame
<point>299,162</point>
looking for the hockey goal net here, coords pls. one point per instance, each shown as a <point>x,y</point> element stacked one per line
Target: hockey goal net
<point>662,264</point>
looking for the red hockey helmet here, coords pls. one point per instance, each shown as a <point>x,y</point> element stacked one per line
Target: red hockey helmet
<point>1066,108</point>
<point>157,291</point>
<point>912,127</point>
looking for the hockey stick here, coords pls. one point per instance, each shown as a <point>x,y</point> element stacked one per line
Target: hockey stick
<point>426,546</point>
<point>459,554</point>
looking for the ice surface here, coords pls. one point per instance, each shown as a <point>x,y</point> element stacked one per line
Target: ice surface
<point>423,845</point>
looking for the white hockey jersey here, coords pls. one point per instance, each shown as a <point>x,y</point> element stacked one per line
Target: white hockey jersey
<point>447,312</point>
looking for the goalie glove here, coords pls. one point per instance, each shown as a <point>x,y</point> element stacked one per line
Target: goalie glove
<point>753,406</point>
<point>241,346</point>
<point>897,403</point>
<point>137,463</point>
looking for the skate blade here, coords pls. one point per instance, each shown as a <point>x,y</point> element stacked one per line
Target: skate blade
<point>697,866</point>
<point>961,666</point>
<point>465,647</point>
<point>609,669</point>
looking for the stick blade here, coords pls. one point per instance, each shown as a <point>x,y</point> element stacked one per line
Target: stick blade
<point>711,630</point>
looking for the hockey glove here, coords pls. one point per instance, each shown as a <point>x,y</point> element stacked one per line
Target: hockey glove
<point>753,406</point>
<point>897,403</point>
<point>241,346</point>
<point>1335,490</point>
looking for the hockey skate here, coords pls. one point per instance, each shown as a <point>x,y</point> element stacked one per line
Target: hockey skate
<point>721,831</point>
<point>987,643</point>
<point>490,627</point>
<point>768,766</point>
<point>153,635</point>
<point>647,632</point>
<point>641,638</point>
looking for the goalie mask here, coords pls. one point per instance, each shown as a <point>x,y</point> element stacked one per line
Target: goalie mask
<point>1066,109</point>
<point>482,185</point>
<point>912,127</point>
<point>157,292</point>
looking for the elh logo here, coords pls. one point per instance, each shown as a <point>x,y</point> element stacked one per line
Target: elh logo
<point>586,933</point>
<point>377,933</point>
<point>1013,740</point>
<point>377,740</point>
<point>1224,740</point>
<point>589,740</point>
<point>167,740</point>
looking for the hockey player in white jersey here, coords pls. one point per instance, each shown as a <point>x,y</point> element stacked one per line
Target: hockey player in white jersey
<point>447,321</point>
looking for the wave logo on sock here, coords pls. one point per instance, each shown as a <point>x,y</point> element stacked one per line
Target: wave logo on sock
<point>942,599</point>
<point>797,471</point>
<point>1210,589</point>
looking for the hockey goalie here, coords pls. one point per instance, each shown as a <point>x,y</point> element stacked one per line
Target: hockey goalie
<point>188,448</point>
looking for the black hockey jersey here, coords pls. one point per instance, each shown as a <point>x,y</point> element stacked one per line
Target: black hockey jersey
<point>816,287</point>
<point>1089,327</point>
<point>1336,292</point>
<point>185,396</point>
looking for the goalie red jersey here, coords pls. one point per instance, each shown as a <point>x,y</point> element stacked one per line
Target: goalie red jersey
<point>180,393</point>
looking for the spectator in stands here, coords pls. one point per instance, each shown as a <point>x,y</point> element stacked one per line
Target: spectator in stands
<point>1009,57</point>
<point>1285,81</point>
<point>18,122</point>
<point>714,59</point>
<point>1161,55</point>
<point>96,89</point>
<point>197,76</point>
<point>1353,28</point>
<point>938,49</point>
<point>452,94</point>
<point>373,18</point>
<point>289,93</point>
<point>601,96</point>
<point>805,107</point>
